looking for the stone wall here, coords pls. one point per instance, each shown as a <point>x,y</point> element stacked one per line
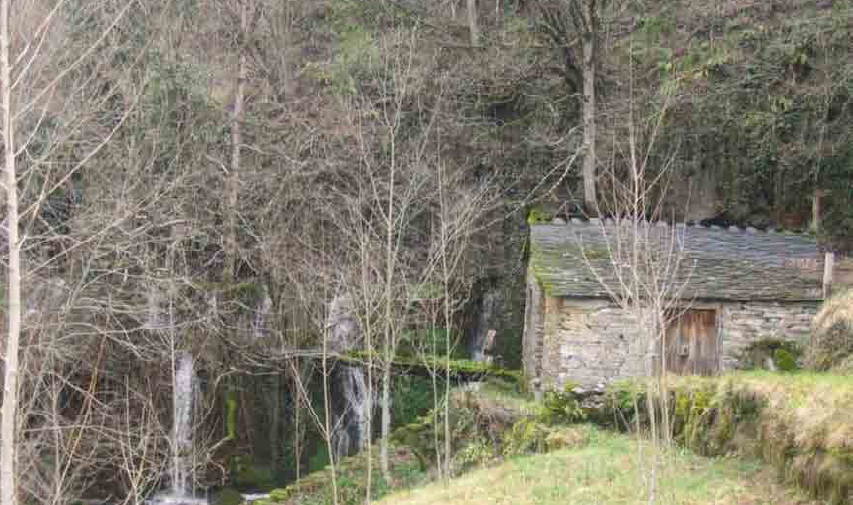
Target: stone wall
<point>534,313</point>
<point>743,323</point>
<point>591,342</point>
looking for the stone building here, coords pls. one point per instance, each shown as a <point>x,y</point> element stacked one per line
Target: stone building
<point>736,287</point>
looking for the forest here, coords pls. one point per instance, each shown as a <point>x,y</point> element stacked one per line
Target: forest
<point>245,239</point>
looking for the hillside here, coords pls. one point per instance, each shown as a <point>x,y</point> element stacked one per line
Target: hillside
<point>240,238</point>
<point>605,471</point>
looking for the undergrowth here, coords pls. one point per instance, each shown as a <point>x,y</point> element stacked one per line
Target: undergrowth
<point>798,423</point>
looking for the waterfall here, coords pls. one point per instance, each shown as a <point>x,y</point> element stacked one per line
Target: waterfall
<point>352,403</point>
<point>488,309</point>
<point>262,311</point>
<point>182,443</point>
<point>351,426</point>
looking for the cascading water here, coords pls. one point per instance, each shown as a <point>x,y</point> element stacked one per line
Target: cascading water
<point>259,322</point>
<point>184,393</point>
<point>351,428</point>
<point>352,400</point>
<point>182,442</point>
<point>488,309</point>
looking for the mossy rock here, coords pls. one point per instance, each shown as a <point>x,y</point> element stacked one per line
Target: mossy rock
<point>771,354</point>
<point>226,496</point>
<point>250,475</point>
<point>784,360</point>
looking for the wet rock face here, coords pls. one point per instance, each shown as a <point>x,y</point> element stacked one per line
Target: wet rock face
<point>352,402</point>
<point>485,322</point>
<point>342,324</point>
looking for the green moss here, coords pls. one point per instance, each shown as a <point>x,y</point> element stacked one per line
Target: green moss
<point>757,354</point>
<point>231,415</point>
<point>527,436</point>
<point>561,407</point>
<point>537,216</point>
<point>250,475</point>
<point>226,496</point>
<point>458,367</point>
<point>784,360</point>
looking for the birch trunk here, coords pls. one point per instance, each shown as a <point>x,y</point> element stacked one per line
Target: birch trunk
<point>589,127</point>
<point>233,183</point>
<point>8,480</point>
<point>472,22</point>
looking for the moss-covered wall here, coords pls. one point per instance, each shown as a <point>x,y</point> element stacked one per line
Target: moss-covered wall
<point>592,342</point>
<point>534,313</point>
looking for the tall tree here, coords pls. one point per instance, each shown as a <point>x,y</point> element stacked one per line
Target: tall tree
<point>8,483</point>
<point>37,91</point>
<point>473,25</point>
<point>566,21</point>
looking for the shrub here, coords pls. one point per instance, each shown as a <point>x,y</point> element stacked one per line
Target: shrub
<point>525,437</point>
<point>561,407</point>
<point>831,342</point>
<point>226,496</point>
<point>762,354</point>
<point>784,360</point>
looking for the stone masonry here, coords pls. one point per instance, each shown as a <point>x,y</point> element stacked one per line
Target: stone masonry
<point>745,323</point>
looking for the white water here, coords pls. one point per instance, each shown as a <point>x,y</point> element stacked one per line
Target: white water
<point>170,499</point>
<point>484,320</point>
<point>350,433</point>
<point>185,391</point>
<point>262,311</point>
<point>182,442</point>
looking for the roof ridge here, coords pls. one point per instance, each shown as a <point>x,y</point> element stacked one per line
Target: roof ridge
<point>770,230</point>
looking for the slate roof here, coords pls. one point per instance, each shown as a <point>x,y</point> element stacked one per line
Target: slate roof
<point>719,263</point>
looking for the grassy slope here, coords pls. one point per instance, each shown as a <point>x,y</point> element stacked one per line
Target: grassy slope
<point>803,431</point>
<point>799,424</point>
<point>606,472</point>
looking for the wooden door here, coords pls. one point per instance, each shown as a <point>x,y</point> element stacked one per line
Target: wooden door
<point>691,344</point>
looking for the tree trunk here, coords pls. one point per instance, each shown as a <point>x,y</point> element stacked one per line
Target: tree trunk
<point>818,194</point>
<point>233,183</point>
<point>589,128</point>
<point>386,422</point>
<point>472,22</point>
<point>8,480</point>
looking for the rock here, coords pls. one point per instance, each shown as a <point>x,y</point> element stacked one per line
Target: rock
<point>343,324</point>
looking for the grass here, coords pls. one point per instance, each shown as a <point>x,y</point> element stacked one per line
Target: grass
<point>497,392</point>
<point>606,471</point>
<point>316,488</point>
<point>798,423</point>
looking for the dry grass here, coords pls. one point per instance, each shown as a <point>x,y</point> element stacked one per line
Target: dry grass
<point>606,472</point>
<point>831,345</point>
<point>798,423</point>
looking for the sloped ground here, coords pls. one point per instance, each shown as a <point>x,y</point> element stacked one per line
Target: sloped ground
<point>799,424</point>
<point>606,472</point>
<point>831,345</point>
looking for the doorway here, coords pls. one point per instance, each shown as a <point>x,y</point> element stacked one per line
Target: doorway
<point>691,343</point>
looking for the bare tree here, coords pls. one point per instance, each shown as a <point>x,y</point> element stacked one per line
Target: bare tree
<point>566,21</point>
<point>35,69</point>
<point>646,271</point>
<point>473,24</point>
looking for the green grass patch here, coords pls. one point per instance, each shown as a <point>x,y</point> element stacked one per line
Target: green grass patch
<point>605,471</point>
<point>799,423</point>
